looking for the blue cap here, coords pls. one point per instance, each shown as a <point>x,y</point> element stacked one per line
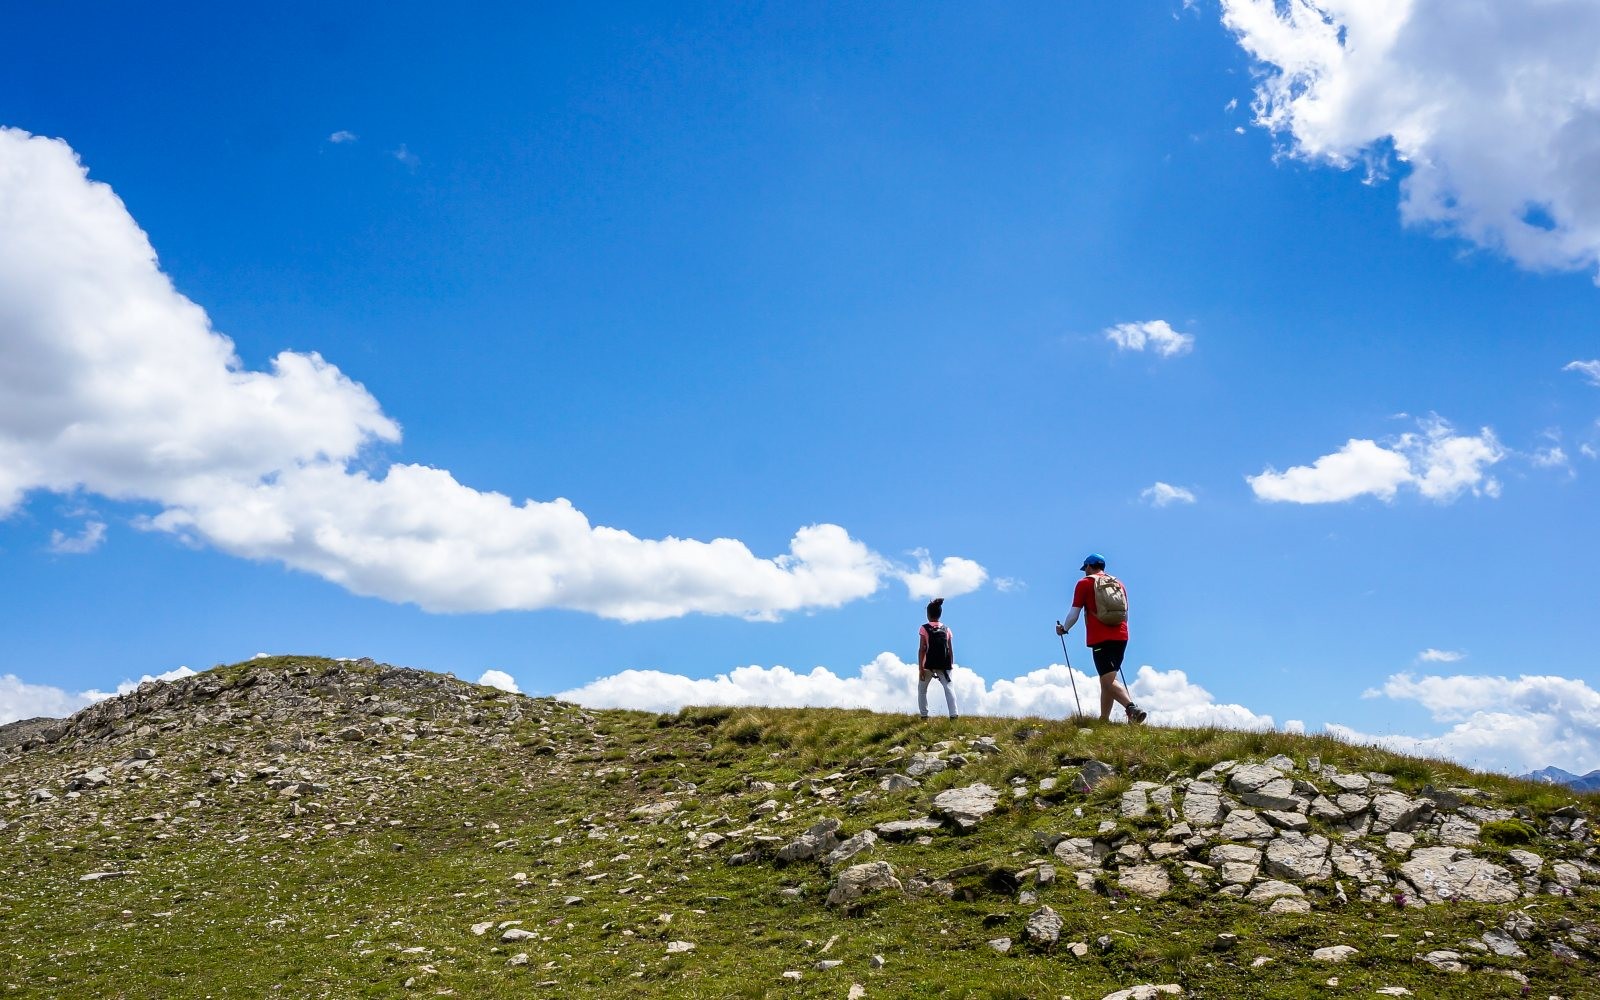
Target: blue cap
<point>1093,559</point>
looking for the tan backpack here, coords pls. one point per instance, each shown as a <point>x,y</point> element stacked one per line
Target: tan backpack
<point>1110,600</point>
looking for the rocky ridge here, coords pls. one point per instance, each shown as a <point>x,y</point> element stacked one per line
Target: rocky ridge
<point>308,753</point>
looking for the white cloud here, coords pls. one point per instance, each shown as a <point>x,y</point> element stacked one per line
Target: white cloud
<point>21,700</point>
<point>1162,494</point>
<point>1553,457</point>
<point>1155,335</point>
<point>953,577</point>
<point>1492,108</point>
<point>889,684</point>
<point>499,679</point>
<point>1436,462</point>
<point>406,156</point>
<point>1441,656</point>
<point>1588,369</point>
<point>115,384</point>
<point>342,136</point>
<point>91,538</point>
<point>1588,451</point>
<point>1515,724</point>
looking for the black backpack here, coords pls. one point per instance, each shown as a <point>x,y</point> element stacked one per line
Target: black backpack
<point>937,659</point>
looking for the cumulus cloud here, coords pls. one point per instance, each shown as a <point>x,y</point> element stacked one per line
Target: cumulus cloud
<point>1588,369</point>
<point>1440,656</point>
<point>1435,461</point>
<point>889,684</point>
<point>499,679</point>
<point>1552,457</point>
<point>342,136</point>
<point>1515,724</point>
<point>21,700</point>
<point>1155,335</point>
<point>1493,109</point>
<point>1163,494</point>
<point>90,538</point>
<point>953,576</point>
<point>114,383</point>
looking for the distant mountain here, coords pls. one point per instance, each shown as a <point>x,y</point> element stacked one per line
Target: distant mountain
<point>1554,775</point>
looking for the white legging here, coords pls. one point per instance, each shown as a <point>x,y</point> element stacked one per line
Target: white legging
<point>922,693</point>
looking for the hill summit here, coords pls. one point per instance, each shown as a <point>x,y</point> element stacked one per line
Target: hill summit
<point>298,826</point>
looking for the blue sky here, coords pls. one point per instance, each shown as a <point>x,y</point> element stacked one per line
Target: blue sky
<point>731,272</point>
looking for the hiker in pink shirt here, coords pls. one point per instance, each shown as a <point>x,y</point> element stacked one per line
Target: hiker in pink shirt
<point>936,654</point>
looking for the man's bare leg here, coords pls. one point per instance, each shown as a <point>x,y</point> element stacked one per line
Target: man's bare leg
<point>1111,693</point>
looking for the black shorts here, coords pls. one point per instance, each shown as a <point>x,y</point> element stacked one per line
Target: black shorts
<point>1108,655</point>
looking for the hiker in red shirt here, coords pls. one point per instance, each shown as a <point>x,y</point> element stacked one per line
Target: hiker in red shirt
<point>1108,639</point>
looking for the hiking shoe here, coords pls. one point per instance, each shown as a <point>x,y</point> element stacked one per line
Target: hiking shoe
<point>1136,714</point>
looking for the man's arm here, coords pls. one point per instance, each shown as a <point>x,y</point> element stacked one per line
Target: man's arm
<point>1066,626</point>
<point>922,649</point>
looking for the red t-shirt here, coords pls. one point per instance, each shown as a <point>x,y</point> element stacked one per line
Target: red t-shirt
<point>1094,632</point>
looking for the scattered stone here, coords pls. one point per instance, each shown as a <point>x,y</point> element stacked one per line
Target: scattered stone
<point>1526,859</point>
<point>899,829</point>
<point>857,992</point>
<point>1300,857</point>
<point>480,929</point>
<point>679,947</point>
<point>102,876</point>
<point>1290,904</point>
<point>1447,961</point>
<point>820,838</point>
<point>1252,777</point>
<point>1135,804</point>
<point>1335,953</point>
<point>1044,926</point>
<point>1350,783</point>
<point>1502,945</point>
<point>1244,824</point>
<point>1090,774</point>
<point>1080,853</point>
<point>965,807</point>
<point>1400,843</point>
<point>1266,892</point>
<point>1149,881</point>
<point>1393,811</point>
<point>516,934</point>
<point>1002,945</point>
<point>899,783</point>
<point>1146,991</point>
<point>1287,820</point>
<point>859,844</point>
<point>828,963</point>
<point>1443,873</point>
<point>858,880</point>
<point>1203,810</point>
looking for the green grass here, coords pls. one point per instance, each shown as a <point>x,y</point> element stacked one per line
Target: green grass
<point>310,907</point>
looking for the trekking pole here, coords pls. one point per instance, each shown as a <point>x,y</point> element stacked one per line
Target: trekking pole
<point>1071,678</point>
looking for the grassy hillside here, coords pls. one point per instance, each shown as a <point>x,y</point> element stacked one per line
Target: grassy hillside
<point>306,828</point>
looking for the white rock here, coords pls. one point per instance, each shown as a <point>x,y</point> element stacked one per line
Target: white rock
<point>1149,881</point>
<point>857,880</point>
<point>1336,953</point>
<point>1044,926</point>
<point>1146,991</point>
<point>965,807</point>
<point>679,947</point>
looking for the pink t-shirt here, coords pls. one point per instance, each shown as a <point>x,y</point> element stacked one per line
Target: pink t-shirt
<point>1094,632</point>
